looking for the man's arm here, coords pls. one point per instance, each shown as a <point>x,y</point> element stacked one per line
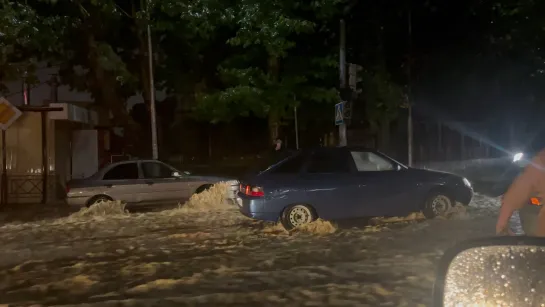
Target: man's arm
<point>518,193</point>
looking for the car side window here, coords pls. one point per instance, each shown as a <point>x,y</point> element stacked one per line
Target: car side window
<point>156,170</point>
<point>367,161</point>
<point>292,166</point>
<point>122,171</point>
<point>328,162</point>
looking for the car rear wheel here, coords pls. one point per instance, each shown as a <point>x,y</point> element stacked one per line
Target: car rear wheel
<point>98,199</point>
<point>297,215</point>
<point>437,204</point>
<point>203,188</point>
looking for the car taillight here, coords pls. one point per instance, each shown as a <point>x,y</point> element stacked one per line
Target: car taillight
<point>535,201</point>
<point>252,190</point>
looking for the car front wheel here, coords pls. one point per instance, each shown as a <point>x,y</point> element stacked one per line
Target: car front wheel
<point>297,215</point>
<point>437,204</point>
<point>98,199</point>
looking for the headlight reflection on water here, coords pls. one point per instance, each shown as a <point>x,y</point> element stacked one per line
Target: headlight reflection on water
<point>497,276</point>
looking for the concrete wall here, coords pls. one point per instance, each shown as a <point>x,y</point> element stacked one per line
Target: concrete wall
<point>84,153</point>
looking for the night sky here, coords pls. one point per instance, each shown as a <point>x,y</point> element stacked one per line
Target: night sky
<point>471,63</point>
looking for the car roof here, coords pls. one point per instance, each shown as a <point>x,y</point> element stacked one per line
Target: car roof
<point>134,161</point>
<point>340,148</point>
<point>110,166</point>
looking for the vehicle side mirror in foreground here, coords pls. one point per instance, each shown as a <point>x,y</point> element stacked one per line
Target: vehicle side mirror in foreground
<point>499,271</point>
<point>187,173</point>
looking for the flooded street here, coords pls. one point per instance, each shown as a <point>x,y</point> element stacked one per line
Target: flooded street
<point>218,257</point>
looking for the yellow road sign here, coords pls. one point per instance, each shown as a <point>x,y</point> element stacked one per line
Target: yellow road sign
<point>8,113</point>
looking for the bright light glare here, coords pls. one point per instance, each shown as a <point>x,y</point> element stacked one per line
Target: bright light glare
<point>518,156</point>
<point>467,183</point>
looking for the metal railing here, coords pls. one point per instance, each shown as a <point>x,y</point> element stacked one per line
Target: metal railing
<point>28,186</point>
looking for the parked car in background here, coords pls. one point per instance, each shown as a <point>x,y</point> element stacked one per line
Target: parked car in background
<point>347,182</point>
<point>140,182</point>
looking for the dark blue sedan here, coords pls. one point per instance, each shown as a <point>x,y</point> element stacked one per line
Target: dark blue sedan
<point>347,182</point>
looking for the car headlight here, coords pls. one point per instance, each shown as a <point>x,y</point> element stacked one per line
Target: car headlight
<point>517,156</point>
<point>467,183</point>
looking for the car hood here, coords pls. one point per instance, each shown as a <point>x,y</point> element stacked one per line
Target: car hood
<point>431,174</point>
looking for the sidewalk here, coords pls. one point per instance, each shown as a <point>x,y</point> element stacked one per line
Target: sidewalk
<point>33,212</point>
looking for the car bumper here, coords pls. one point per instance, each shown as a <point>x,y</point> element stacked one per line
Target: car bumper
<point>233,190</point>
<point>252,207</point>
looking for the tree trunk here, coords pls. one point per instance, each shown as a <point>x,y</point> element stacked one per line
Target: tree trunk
<point>106,94</point>
<point>106,85</point>
<point>273,126</point>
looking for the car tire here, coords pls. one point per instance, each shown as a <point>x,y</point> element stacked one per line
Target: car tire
<point>297,215</point>
<point>203,188</point>
<point>437,204</point>
<point>97,199</point>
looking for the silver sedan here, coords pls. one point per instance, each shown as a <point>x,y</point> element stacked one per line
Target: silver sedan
<point>140,182</point>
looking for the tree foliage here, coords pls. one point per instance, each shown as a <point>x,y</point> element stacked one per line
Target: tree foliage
<point>25,38</point>
<point>269,73</point>
<point>383,98</point>
<point>225,59</point>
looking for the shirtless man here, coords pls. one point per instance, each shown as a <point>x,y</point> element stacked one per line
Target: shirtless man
<point>529,184</point>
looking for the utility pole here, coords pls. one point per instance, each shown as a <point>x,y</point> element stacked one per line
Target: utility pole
<point>154,146</point>
<point>342,77</point>
<point>409,94</point>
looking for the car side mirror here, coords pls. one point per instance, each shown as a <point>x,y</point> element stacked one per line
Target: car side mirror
<point>498,271</point>
<point>176,174</point>
<point>187,173</point>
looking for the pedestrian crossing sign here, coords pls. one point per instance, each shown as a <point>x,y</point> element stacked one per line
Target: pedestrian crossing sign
<point>339,113</point>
